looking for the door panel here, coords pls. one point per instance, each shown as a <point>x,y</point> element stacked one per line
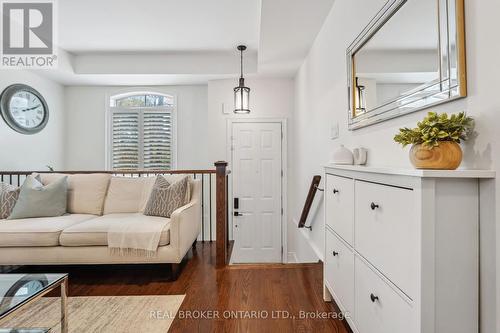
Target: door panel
<point>257,165</point>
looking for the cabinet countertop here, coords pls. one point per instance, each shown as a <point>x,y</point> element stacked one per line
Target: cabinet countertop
<point>459,173</point>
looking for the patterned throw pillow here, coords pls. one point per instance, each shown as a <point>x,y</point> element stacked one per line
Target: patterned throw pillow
<point>166,197</point>
<point>8,198</point>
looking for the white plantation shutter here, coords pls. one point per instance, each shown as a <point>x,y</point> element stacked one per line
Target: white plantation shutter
<point>141,138</point>
<point>157,140</point>
<point>125,140</point>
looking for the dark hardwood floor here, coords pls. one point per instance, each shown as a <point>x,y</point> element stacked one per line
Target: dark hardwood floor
<point>281,291</point>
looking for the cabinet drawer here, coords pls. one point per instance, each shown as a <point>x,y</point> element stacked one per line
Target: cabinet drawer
<point>387,233</point>
<point>339,198</point>
<point>379,308</point>
<point>339,271</point>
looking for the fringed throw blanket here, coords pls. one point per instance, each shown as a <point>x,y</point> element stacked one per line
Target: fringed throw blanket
<point>133,239</point>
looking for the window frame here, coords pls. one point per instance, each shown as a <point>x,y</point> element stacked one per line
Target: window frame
<point>110,110</point>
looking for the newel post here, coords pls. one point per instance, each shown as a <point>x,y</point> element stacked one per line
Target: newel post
<point>221,210</point>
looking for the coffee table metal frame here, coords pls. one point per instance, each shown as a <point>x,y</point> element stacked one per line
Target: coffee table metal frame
<point>63,283</point>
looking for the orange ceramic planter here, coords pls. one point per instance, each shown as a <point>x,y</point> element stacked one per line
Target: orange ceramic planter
<point>446,156</point>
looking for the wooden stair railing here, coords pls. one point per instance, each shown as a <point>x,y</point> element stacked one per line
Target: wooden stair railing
<point>223,245</point>
<point>208,230</point>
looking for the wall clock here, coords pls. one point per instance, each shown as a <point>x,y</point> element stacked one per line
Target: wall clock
<point>24,109</point>
<point>26,286</point>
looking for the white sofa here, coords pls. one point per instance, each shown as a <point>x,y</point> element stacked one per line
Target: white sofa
<point>95,202</point>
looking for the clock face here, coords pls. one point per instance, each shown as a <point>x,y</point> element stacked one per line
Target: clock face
<point>29,288</point>
<point>24,109</point>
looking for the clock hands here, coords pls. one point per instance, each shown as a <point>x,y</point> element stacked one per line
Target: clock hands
<point>35,107</point>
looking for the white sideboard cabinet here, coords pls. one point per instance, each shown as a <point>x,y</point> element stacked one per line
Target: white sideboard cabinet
<point>402,248</point>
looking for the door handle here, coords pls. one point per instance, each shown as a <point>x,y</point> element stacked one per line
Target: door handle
<point>237,214</point>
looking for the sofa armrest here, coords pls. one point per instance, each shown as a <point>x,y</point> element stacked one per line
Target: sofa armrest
<point>185,227</point>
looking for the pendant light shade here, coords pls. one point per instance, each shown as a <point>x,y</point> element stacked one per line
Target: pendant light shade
<point>241,93</point>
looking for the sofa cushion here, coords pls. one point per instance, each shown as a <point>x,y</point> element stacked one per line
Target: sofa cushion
<point>95,232</point>
<point>40,231</point>
<point>166,197</point>
<point>37,200</point>
<point>86,192</point>
<point>8,198</point>
<point>127,195</point>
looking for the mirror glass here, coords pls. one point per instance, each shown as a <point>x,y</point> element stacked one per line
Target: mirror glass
<point>401,57</point>
<point>410,56</point>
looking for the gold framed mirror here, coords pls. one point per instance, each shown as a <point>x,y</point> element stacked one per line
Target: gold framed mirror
<point>411,56</point>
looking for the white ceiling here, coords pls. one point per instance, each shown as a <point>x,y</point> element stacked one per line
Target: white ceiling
<point>157,25</point>
<point>146,42</point>
<point>288,30</point>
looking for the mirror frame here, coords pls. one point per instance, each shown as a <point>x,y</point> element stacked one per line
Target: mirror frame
<point>448,88</point>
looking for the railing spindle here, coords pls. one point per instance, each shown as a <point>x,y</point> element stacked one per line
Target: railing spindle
<point>210,205</point>
<point>203,208</point>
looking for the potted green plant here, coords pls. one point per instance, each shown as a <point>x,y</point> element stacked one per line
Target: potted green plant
<point>435,140</point>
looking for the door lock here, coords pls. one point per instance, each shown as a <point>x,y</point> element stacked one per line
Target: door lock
<point>237,214</point>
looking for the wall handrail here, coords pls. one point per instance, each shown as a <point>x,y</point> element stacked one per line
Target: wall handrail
<point>309,200</point>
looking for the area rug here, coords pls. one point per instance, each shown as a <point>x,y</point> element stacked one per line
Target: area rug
<point>103,314</point>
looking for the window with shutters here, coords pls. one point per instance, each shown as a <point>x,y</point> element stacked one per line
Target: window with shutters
<point>141,132</point>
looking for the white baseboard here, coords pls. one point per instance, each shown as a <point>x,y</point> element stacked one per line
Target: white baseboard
<point>292,258</point>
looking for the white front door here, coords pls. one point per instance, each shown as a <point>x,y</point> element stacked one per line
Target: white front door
<point>257,172</point>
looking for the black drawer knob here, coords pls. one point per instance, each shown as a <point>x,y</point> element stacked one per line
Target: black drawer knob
<point>335,253</point>
<point>335,191</point>
<point>374,206</point>
<point>373,298</point>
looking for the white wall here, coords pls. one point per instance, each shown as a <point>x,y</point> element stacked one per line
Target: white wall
<point>269,98</point>
<point>321,100</point>
<point>86,117</point>
<point>34,152</point>
<point>201,125</point>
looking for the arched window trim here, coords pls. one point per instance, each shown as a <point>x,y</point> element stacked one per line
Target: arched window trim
<point>113,99</point>
<point>171,109</point>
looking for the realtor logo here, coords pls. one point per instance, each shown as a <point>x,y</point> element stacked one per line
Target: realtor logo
<point>28,34</point>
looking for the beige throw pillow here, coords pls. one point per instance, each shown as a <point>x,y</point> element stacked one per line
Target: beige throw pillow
<point>166,197</point>
<point>86,192</point>
<point>128,195</point>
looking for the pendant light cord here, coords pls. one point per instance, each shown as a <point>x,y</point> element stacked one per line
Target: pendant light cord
<point>241,63</point>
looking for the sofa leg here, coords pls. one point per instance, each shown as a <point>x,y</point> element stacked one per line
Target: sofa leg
<point>194,245</point>
<point>176,271</point>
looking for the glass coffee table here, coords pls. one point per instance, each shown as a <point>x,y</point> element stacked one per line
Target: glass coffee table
<point>19,290</point>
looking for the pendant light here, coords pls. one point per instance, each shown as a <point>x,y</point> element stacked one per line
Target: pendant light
<point>241,93</point>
